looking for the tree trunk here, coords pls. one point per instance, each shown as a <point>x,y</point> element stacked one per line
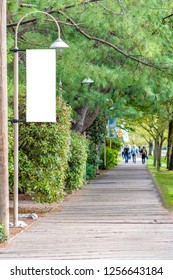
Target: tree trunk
<point>170,144</point>
<point>171,160</point>
<point>150,148</point>
<point>4,197</point>
<point>90,118</point>
<point>78,126</point>
<point>159,155</point>
<point>86,118</point>
<point>155,151</point>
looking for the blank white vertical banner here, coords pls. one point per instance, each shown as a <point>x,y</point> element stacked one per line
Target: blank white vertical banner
<point>41,85</point>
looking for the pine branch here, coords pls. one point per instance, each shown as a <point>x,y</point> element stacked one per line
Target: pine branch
<point>148,130</point>
<point>166,17</point>
<point>121,6</point>
<point>27,5</point>
<point>50,11</point>
<point>104,42</point>
<point>163,21</point>
<point>23,31</point>
<point>90,37</point>
<point>22,23</point>
<point>107,9</point>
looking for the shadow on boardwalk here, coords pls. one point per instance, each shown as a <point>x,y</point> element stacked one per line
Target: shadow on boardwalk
<point>118,216</point>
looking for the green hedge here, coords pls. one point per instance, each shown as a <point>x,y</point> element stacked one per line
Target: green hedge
<point>111,158</point>
<point>76,171</point>
<point>90,171</point>
<point>116,143</point>
<point>111,153</point>
<point>96,136</point>
<point>3,236</point>
<point>43,156</point>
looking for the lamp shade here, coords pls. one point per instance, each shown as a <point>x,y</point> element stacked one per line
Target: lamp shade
<point>87,81</point>
<point>59,44</point>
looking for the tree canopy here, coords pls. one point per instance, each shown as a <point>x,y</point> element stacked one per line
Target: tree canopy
<point>125,46</point>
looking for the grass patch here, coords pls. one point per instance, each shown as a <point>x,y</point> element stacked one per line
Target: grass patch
<point>164,182</point>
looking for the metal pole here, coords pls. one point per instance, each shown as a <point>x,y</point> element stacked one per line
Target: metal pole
<point>34,12</point>
<point>110,143</point>
<point>105,153</point>
<point>16,113</point>
<point>16,137</point>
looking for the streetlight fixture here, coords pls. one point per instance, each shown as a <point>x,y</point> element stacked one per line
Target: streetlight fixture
<point>88,81</point>
<point>57,44</point>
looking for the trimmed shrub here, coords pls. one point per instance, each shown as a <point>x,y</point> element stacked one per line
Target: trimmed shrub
<point>96,137</point>
<point>11,156</point>
<point>111,158</point>
<point>93,153</point>
<point>116,143</point>
<point>90,171</point>
<point>76,171</point>
<point>43,156</point>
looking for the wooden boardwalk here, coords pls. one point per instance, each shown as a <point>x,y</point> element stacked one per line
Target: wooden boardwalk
<point>118,216</point>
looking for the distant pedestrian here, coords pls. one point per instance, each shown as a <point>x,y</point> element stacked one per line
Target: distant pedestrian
<point>134,152</point>
<point>126,153</point>
<point>143,154</point>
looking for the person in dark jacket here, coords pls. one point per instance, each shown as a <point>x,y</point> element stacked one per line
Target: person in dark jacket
<point>126,153</point>
<point>143,154</point>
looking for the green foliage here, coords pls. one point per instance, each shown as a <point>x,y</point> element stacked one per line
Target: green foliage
<point>116,143</point>
<point>111,153</point>
<point>98,131</point>
<point>90,171</point>
<point>43,156</point>
<point>131,29</point>
<point>76,171</point>
<point>163,180</point>
<point>111,158</point>
<point>127,88</point>
<point>134,27</point>
<point>93,154</point>
<point>96,136</point>
<point>3,236</point>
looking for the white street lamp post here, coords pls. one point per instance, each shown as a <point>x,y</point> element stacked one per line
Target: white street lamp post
<point>57,44</point>
<point>89,82</point>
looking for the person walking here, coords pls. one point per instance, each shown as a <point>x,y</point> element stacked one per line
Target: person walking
<point>143,154</point>
<point>133,152</point>
<point>126,154</point>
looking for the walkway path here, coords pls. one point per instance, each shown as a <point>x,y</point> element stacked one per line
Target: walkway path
<point>118,216</point>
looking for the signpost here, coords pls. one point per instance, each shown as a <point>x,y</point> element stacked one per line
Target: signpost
<point>112,128</point>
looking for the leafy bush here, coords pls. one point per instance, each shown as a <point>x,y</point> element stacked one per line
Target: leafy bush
<point>11,157</point>
<point>96,137</point>
<point>111,158</point>
<point>76,171</point>
<point>116,143</point>
<point>3,236</point>
<point>43,156</point>
<point>93,154</point>
<point>90,171</point>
